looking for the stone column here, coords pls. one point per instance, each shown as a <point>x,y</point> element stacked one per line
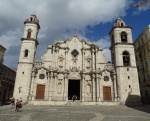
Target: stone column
<point>93,86</point>
<point>55,84</point>
<point>83,91</point>
<point>57,52</point>
<point>83,61</point>
<point>46,88</point>
<point>93,60</point>
<point>66,60</point>
<point>54,58</point>
<point>96,62</point>
<point>50,85</point>
<point>66,87</point>
<point>97,88</point>
<point>63,88</point>
<point>115,88</point>
<point>34,88</point>
<point>31,86</point>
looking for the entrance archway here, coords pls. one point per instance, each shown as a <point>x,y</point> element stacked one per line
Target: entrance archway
<point>73,89</point>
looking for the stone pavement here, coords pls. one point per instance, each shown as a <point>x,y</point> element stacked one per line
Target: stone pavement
<point>75,113</point>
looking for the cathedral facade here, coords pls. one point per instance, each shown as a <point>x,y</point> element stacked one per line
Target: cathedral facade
<point>75,67</point>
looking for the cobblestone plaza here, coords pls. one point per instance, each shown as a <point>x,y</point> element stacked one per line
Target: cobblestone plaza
<point>75,113</point>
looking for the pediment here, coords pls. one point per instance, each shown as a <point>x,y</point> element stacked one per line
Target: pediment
<point>74,40</point>
<point>40,68</point>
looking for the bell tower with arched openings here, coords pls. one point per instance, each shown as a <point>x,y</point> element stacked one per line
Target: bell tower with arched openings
<point>123,58</point>
<point>27,56</point>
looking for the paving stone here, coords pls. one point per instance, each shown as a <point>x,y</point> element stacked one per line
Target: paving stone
<point>75,113</point>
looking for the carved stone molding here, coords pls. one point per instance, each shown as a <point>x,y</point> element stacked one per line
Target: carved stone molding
<point>88,58</point>
<point>74,69</point>
<point>61,57</point>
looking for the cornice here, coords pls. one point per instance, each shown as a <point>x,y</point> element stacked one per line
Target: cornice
<point>114,27</point>
<point>30,39</point>
<point>119,43</point>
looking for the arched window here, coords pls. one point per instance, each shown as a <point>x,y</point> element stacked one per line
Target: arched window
<point>29,33</point>
<point>123,37</point>
<point>126,58</point>
<point>26,53</point>
<point>31,19</point>
<point>122,24</point>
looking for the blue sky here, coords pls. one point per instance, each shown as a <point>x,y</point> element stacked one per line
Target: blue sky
<point>137,18</point>
<point>92,20</point>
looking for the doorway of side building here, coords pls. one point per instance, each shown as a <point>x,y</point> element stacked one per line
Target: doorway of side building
<point>40,91</point>
<point>107,94</point>
<point>73,89</point>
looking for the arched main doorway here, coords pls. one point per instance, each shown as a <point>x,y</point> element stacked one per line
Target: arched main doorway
<point>73,89</point>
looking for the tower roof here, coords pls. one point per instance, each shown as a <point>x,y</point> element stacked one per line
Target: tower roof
<point>33,19</point>
<point>119,23</point>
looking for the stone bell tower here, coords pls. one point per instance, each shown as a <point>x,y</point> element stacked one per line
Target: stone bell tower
<point>27,56</point>
<point>123,57</point>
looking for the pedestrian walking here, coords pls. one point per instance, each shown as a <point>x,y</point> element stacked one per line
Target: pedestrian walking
<point>18,104</point>
<point>12,102</point>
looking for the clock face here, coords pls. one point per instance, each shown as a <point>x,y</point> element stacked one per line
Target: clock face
<point>74,53</point>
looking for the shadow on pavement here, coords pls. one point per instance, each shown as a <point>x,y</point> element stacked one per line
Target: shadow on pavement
<point>134,101</point>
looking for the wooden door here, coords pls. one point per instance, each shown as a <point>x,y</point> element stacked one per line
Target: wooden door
<point>40,90</point>
<point>107,93</point>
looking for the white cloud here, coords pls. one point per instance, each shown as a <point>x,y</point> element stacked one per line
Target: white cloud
<point>104,43</point>
<point>55,17</point>
<point>107,54</point>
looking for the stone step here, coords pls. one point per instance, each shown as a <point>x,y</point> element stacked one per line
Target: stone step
<point>76,102</point>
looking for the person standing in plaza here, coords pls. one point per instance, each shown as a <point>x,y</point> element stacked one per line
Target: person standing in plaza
<point>18,104</point>
<point>12,102</point>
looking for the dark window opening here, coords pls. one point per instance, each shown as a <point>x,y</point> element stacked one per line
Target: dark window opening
<point>126,59</point>
<point>129,86</point>
<point>31,19</point>
<point>29,33</point>
<point>106,78</point>
<point>75,53</point>
<point>123,37</point>
<point>26,53</point>
<point>121,24</point>
<point>41,76</point>
<point>128,77</point>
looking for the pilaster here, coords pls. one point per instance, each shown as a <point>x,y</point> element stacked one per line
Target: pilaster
<point>93,85</point>
<point>83,90</point>
<point>66,87</point>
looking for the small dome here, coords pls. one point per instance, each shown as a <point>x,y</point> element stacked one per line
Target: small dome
<point>32,19</point>
<point>119,22</point>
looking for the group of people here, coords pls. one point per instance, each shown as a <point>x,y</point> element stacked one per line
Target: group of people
<point>18,103</point>
<point>74,97</point>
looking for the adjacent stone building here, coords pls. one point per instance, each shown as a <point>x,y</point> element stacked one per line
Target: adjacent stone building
<point>142,51</point>
<point>7,79</point>
<point>77,67</point>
